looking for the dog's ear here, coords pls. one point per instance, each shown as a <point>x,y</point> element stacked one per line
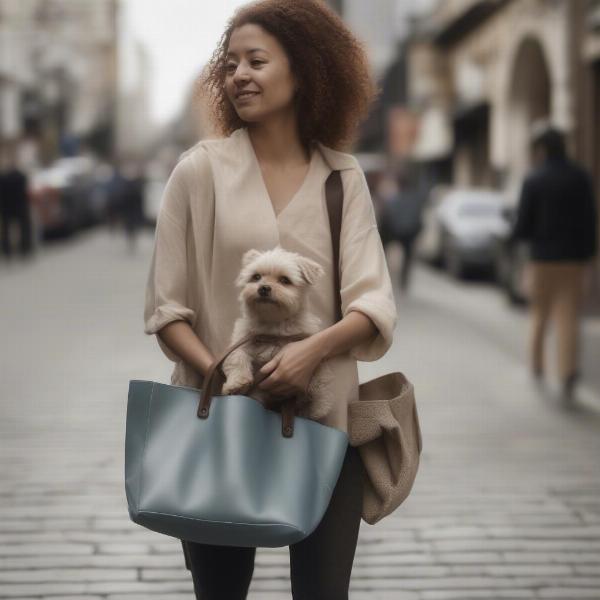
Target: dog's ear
<point>249,256</point>
<point>241,279</point>
<point>310,270</point>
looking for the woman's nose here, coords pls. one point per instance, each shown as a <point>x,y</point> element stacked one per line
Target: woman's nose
<point>240,75</point>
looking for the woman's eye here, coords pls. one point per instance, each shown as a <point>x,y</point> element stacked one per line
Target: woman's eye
<point>285,280</point>
<point>232,67</point>
<point>255,277</point>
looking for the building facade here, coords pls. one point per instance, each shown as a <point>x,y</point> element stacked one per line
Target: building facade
<point>483,71</point>
<point>58,74</point>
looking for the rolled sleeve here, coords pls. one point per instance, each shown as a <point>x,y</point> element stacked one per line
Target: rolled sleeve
<point>166,297</point>
<point>365,280</point>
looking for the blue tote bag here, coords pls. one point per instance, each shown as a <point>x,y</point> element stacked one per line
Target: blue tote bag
<point>224,469</point>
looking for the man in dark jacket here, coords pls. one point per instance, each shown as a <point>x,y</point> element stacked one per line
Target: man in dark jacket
<point>557,216</point>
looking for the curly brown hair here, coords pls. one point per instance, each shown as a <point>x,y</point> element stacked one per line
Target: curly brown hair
<point>330,63</point>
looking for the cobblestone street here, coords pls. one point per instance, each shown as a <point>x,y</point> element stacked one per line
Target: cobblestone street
<point>506,504</point>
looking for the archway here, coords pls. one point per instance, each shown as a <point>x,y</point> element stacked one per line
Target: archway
<point>529,100</point>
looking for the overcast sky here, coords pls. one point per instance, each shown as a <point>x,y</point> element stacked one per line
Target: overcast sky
<point>180,36</point>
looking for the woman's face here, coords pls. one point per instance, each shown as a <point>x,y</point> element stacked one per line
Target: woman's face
<point>256,62</point>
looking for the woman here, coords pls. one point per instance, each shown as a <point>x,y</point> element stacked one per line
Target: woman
<point>289,83</point>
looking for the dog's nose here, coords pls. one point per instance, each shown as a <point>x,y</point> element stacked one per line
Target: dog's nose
<point>264,290</point>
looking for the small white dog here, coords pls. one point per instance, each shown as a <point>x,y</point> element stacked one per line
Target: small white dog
<point>274,285</point>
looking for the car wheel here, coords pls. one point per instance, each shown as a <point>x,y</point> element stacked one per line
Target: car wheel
<point>454,263</point>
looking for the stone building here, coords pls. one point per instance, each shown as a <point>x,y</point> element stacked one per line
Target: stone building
<point>481,72</point>
<point>134,127</point>
<point>58,73</point>
<point>382,26</point>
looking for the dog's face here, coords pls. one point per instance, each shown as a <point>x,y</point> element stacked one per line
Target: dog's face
<point>274,283</point>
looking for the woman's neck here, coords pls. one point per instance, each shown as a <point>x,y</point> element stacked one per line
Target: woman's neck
<point>276,141</point>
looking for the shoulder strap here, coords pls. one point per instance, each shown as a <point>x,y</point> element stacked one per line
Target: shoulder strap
<point>334,195</point>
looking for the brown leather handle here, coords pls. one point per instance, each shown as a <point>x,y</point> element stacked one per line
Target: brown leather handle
<point>214,379</point>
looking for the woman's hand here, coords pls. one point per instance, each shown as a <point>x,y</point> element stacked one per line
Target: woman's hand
<point>292,368</point>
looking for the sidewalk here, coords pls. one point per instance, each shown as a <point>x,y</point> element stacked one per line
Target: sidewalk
<point>505,505</point>
<point>490,312</point>
<point>590,360</point>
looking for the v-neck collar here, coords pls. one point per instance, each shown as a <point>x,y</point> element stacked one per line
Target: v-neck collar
<point>265,191</point>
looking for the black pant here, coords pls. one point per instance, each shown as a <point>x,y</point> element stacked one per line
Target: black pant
<point>407,260</point>
<point>320,564</point>
<point>23,220</point>
<point>407,242</point>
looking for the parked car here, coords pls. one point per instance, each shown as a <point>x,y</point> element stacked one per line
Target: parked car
<point>468,224</point>
<point>511,260</point>
<point>428,245</point>
<point>60,196</point>
<point>93,191</point>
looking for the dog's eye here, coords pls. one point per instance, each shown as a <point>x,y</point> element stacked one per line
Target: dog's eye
<point>285,280</point>
<point>255,277</point>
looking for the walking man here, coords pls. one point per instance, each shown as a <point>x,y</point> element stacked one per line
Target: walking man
<point>557,216</point>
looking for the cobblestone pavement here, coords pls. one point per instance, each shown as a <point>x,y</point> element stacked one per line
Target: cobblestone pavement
<point>506,502</point>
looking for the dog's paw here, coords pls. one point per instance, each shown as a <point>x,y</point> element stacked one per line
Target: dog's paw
<point>237,385</point>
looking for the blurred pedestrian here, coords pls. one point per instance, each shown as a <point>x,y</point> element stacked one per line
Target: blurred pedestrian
<point>385,191</point>
<point>131,202</point>
<point>557,216</point>
<point>15,209</point>
<point>402,200</point>
<point>114,190</point>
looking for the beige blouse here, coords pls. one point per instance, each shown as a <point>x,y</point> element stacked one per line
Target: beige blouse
<point>216,206</point>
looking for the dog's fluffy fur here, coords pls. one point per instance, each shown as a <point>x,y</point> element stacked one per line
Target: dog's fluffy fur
<point>274,285</point>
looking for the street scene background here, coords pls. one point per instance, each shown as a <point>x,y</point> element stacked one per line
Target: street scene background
<point>98,100</point>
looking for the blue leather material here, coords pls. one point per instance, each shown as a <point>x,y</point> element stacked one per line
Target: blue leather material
<point>230,479</point>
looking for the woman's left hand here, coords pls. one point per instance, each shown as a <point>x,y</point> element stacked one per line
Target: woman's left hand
<point>291,369</point>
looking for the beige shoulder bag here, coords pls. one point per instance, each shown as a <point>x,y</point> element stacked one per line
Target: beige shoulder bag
<point>383,423</point>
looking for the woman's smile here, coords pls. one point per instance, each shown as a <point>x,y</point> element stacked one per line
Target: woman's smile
<point>246,96</point>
